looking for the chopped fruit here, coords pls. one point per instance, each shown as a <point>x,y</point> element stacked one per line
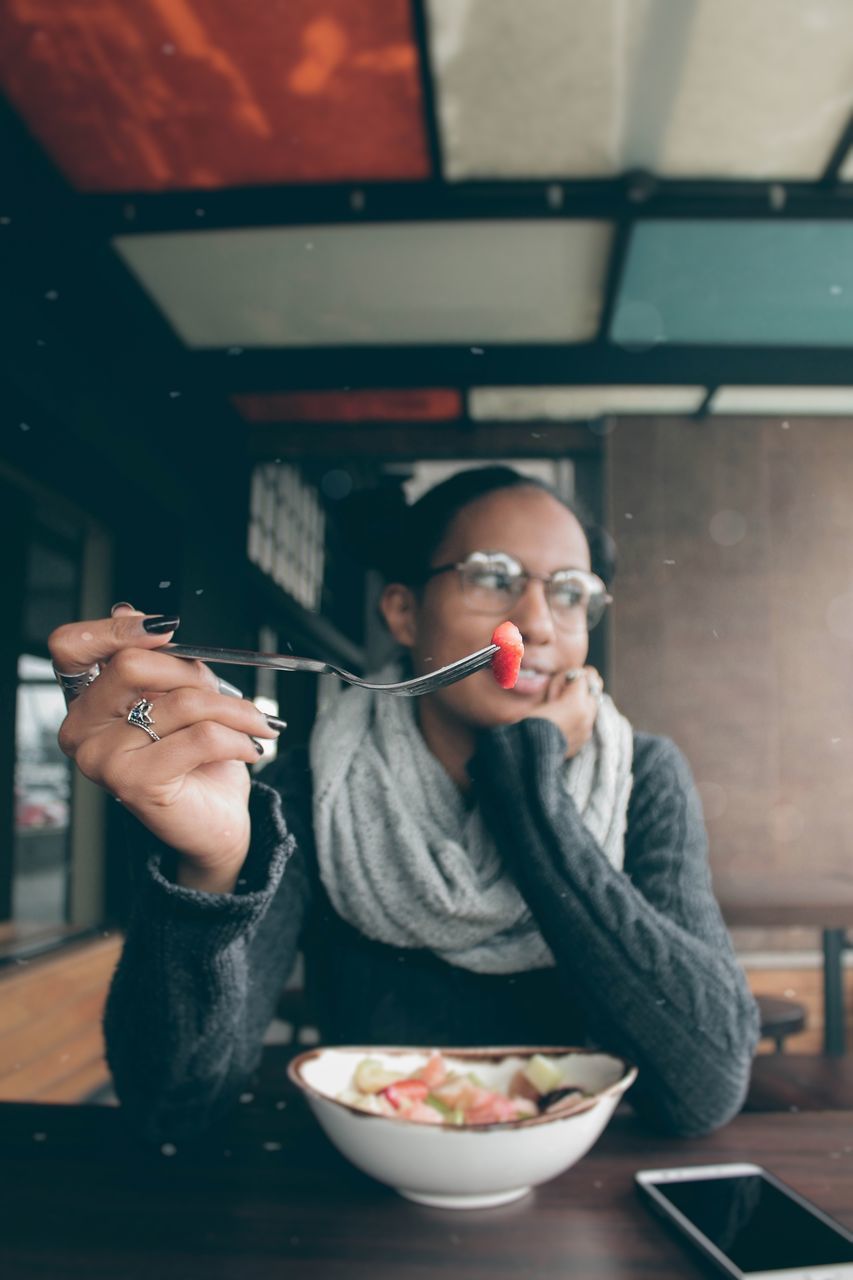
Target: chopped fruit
<point>496,1110</point>
<point>521,1087</point>
<point>403,1093</point>
<point>559,1098</point>
<point>544,1075</point>
<point>506,663</point>
<point>424,1113</point>
<point>450,1115</point>
<point>433,1072</point>
<point>372,1077</point>
<point>436,1094</point>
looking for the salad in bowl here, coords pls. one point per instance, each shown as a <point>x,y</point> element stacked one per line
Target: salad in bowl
<point>462,1128</point>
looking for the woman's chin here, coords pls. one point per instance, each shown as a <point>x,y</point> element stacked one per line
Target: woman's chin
<point>511,708</point>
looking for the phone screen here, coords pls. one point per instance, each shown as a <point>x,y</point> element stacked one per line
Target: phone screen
<point>755,1224</point>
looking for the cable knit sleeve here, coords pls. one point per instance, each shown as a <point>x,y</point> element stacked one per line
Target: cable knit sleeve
<point>644,950</point>
<point>200,974</point>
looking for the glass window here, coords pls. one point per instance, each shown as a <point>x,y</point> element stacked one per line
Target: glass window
<point>42,797</point>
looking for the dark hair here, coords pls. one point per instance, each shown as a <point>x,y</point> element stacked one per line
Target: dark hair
<point>399,540</point>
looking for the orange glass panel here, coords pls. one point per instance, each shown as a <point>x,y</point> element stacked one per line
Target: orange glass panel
<point>166,94</point>
<point>409,405</point>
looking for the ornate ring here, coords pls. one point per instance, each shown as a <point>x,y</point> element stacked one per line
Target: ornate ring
<point>140,715</point>
<point>595,686</point>
<point>73,685</point>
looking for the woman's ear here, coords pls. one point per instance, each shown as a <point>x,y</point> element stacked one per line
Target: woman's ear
<point>399,609</point>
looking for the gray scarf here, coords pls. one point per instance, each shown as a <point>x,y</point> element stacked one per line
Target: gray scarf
<point>403,858</point>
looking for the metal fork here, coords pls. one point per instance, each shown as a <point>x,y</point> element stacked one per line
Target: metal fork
<point>279,662</point>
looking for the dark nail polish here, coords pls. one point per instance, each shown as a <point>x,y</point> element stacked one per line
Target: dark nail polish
<point>275,723</point>
<point>158,624</point>
<point>259,746</point>
<point>120,604</point>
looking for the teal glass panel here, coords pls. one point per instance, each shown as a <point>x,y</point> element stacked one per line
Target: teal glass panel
<point>737,283</point>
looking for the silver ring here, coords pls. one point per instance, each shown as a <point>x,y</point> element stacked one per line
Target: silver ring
<point>140,715</point>
<point>595,686</point>
<point>573,675</point>
<point>73,685</point>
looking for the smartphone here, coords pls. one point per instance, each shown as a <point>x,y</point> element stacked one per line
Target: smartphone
<point>749,1223</point>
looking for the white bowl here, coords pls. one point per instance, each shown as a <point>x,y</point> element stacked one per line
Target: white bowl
<point>464,1166</point>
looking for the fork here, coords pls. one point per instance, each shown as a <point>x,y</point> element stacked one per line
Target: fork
<point>279,662</point>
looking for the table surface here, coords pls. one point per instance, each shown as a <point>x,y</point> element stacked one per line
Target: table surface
<point>266,1195</point>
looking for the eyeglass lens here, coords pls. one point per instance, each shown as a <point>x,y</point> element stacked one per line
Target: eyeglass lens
<point>492,585</point>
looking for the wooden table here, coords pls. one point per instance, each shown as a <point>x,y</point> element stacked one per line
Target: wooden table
<point>266,1196</point>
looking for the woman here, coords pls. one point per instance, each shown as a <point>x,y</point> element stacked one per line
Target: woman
<point>479,865</point>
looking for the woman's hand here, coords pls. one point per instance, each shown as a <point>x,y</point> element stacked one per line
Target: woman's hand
<point>191,788</point>
<point>572,704</point>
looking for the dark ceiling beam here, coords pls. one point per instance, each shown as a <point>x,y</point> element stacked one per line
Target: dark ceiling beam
<point>82,344</point>
<point>301,441</point>
<point>613,278</point>
<point>829,178</point>
<point>633,196</point>
<point>705,407</point>
<point>420,20</point>
<point>342,368</point>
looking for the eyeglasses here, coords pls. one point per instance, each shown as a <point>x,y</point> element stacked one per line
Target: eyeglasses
<point>493,581</point>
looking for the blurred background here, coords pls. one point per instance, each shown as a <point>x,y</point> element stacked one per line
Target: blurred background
<point>257,255</point>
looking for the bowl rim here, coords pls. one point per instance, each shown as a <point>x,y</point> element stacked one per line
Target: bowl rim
<point>617,1088</point>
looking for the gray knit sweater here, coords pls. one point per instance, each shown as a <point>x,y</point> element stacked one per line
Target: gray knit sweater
<point>645,967</point>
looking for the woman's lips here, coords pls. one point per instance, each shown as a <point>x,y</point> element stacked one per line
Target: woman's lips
<point>531,682</point>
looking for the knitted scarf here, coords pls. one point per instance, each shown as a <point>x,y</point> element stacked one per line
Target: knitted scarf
<point>407,862</point>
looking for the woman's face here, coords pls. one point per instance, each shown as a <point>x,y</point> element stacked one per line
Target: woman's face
<point>543,536</point>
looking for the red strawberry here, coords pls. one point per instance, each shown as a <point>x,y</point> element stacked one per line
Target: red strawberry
<point>402,1093</point>
<point>506,663</point>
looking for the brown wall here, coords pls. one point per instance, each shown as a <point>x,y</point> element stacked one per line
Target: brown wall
<point>743,653</point>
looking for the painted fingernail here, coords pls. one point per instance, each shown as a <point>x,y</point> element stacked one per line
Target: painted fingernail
<point>230,690</point>
<point>259,746</point>
<point>158,624</point>
<point>275,723</point>
<point>120,604</point>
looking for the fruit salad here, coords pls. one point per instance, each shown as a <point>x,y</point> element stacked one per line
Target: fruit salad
<point>437,1094</point>
<point>506,663</point>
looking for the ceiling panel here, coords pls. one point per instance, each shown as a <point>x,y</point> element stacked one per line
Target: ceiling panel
<point>562,404</point>
<point>735,282</point>
<point>156,95</point>
<point>783,400</point>
<point>389,284</point>
<point>526,90</point>
<point>687,88</point>
<point>737,88</point>
<point>431,404</point>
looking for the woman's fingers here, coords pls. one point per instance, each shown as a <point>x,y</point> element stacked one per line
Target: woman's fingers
<point>138,775</point>
<point>77,646</point>
<point>194,726</point>
<point>594,683</point>
<point>180,709</point>
<point>187,693</point>
<point>130,673</point>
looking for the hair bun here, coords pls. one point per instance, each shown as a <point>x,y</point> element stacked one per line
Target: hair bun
<point>374,523</point>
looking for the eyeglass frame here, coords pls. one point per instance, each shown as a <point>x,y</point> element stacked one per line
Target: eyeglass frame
<point>525,577</point>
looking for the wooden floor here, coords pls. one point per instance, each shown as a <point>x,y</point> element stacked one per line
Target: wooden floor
<point>51,1045</point>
